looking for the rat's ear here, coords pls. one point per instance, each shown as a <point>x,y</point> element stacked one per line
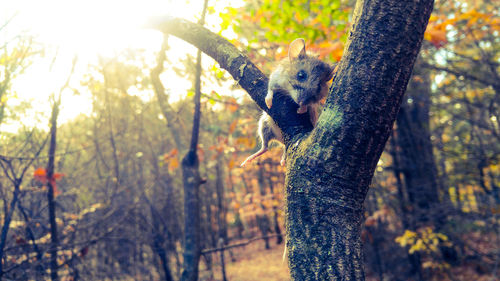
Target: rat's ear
<point>297,49</point>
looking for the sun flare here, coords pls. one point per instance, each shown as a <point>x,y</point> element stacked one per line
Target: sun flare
<point>89,30</point>
<point>90,26</point>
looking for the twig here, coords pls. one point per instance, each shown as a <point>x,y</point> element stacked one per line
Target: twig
<point>208,251</point>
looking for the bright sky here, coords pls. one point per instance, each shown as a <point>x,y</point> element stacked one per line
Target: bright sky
<point>87,29</point>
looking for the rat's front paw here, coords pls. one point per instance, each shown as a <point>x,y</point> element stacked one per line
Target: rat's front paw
<point>302,109</point>
<point>269,101</point>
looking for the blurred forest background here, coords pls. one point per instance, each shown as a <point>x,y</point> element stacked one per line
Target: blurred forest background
<point>100,196</point>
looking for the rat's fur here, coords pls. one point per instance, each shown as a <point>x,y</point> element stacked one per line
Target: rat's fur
<point>305,79</point>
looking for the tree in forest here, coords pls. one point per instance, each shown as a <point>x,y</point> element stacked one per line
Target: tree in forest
<point>329,167</point>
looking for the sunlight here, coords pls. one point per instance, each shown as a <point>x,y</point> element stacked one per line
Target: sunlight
<point>90,26</point>
<point>88,30</point>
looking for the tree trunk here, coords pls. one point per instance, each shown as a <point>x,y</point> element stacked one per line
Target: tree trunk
<point>415,148</point>
<point>262,219</point>
<point>221,199</point>
<point>330,170</point>
<point>191,181</point>
<point>277,229</point>
<point>51,179</point>
<point>6,222</point>
<point>51,183</point>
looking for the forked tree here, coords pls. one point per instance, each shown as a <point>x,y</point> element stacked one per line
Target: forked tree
<point>330,166</point>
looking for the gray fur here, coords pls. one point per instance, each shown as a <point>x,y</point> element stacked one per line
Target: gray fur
<point>305,79</point>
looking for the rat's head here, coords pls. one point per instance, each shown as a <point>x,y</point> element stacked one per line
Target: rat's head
<point>308,75</point>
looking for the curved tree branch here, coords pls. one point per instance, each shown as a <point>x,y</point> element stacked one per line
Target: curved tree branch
<point>250,78</point>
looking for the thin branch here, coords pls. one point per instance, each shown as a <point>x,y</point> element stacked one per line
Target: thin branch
<point>208,251</point>
<point>464,74</point>
<point>165,108</point>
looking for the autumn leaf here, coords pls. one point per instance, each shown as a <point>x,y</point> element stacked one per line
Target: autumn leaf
<point>70,216</point>
<point>418,79</point>
<point>40,175</point>
<point>173,164</point>
<point>171,159</point>
<point>298,17</point>
<point>236,205</point>
<point>436,34</point>
<point>171,154</point>
<point>232,127</point>
<point>232,105</point>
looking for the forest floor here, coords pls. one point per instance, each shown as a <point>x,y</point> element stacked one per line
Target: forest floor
<point>254,263</point>
<point>251,263</point>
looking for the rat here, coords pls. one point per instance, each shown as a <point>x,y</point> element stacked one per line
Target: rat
<point>302,77</point>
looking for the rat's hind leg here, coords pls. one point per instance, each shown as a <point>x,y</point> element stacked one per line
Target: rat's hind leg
<point>266,134</point>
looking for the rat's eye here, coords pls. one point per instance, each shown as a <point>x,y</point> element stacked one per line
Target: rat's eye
<point>302,76</point>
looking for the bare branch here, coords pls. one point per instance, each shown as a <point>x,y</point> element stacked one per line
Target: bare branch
<point>211,250</point>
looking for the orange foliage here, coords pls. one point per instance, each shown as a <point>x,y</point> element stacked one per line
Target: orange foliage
<point>232,127</point>
<point>232,105</point>
<point>325,49</point>
<point>436,34</point>
<point>171,159</point>
<point>40,175</point>
<point>474,21</point>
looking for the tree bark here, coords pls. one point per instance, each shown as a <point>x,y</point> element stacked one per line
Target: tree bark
<point>330,167</point>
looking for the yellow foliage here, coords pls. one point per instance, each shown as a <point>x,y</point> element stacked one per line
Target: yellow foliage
<point>435,265</point>
<point>407,238</point>
<point>424,240</point>
<point>16,224</point>
<point>453,195</point>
